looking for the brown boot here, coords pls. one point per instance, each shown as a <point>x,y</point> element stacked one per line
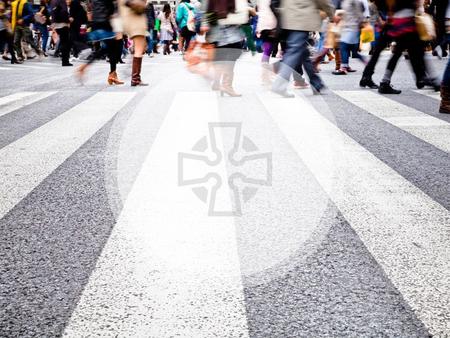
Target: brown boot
<point>113,79</point>
<point>136,73</point>
<point>337,57</point>
<point>445,100</point>
<point>227,81</point>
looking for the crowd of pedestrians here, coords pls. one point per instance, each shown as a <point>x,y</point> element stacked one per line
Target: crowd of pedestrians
<point>294,37</point>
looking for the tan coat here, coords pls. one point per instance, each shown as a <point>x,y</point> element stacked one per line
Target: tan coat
<point>133,24</point>
<point>304,15</point>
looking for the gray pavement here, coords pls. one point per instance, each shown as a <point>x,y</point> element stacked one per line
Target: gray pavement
<point>349,239</point>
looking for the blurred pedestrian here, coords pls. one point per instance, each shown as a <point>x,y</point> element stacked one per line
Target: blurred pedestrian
<point>134,20</point>
<point>104,16</point>
<point>61,23</point>
<point>185,18</point>
<point>150,12</point>
<point>445,85</point>
<point>168,27</point>
<point>299,18</point>
<point>22,16</point>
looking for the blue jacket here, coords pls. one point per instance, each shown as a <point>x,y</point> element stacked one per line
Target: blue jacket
<point>182,13</point>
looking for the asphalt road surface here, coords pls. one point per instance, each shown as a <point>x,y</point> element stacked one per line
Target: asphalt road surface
<point>170,211</point>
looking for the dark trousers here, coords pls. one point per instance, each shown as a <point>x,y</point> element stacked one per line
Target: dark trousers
<point>64,44</point>
<point>112,48</point>
<point>380,45</point>
<point>7,39</point>
<point>446,77</point>
<point>23,33</point>
<point>297,52</point>
<point>187,35</point>
<point>415,48</point>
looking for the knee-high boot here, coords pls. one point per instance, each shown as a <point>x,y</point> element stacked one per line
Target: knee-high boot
<point>136,73</point>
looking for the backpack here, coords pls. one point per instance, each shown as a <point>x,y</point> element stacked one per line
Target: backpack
<point>190,23</point>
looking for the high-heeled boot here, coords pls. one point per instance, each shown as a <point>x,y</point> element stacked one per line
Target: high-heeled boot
<point>227,81</point>
<point>114,79</point>
<point>136,73</point>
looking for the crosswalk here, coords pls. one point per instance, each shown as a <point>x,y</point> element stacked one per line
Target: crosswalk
<point>169,269</point>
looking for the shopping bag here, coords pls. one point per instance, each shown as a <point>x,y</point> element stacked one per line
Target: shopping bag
<point>425,27</point>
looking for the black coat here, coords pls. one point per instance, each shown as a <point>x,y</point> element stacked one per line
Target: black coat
<point>60,12</point>
<point>78,14</point>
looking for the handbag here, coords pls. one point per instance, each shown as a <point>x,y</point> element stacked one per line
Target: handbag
<point>39,17</point>
<point>137,6</point>
<point>199,56</point>
<point>425,27</point>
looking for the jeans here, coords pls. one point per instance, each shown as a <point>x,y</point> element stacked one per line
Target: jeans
<point>346,48</point>
<point>446,77</point>
<point>150,42</point>
<point>296,53</point>
<point>44,35</point>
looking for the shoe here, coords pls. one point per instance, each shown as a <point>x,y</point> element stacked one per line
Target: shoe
<point>339,72</point>
<point>113,79</point>
<point>16,61</point>
<point>320,90</point>
<point>444,108</point>
<point>386,88</point>
<point>67,64</point>
<point>284,93</point>
<point>349,69</point>
<point>136,73</point>
<point>429,82</point>
<point>367,82</point>
<point>301,85</point>
<point>5,57</point>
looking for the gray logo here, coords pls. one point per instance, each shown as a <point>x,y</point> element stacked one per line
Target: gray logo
<point>225,150</point>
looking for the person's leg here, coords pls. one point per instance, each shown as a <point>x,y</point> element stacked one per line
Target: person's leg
<point>140,45</point>
<point>64,45</point>
<point>392,63</point>
<point>385,85</point>
<point>44,34</point>
<point>267,49</point>
<point>444,107</point>
<point>345,54</point>
<point>291,58</point>
<point>380,45</point>
<point>150,43</point>
<point>314,79</point>
<point>28,37</point>
<point>18,32</point>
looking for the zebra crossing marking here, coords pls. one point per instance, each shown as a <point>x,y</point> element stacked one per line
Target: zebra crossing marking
<point>423,126</point>
<point>29,160</point>
<point>430,93</point>
<point>22,99</point>
<point>404,229</point>
<point>178,274</point>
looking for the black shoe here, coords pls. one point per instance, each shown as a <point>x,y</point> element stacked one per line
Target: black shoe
<point>368,82</point>
<point>16,61</point>
<point>67,64</point>
<point>386,88</point>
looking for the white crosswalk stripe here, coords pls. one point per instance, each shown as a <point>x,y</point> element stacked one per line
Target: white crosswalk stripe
<point>182,263</point>
<point>428,128</point>
<point>430,93</point>
<point>398,223</point>
<point>29,160</point>
<point>168,269</point>
<point>21,99</point>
